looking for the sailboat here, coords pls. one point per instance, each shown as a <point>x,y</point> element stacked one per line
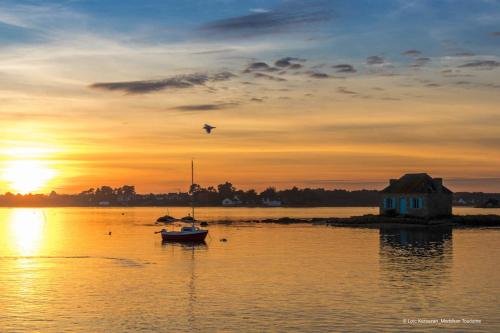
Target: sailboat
<point>189,233</point>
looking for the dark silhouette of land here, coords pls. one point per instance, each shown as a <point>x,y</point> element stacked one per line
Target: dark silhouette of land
<point>213,196</point>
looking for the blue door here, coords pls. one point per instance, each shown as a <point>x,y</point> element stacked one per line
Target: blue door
<point>402,206</point>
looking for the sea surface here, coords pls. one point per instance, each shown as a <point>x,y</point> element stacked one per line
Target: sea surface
<point>62,271</point>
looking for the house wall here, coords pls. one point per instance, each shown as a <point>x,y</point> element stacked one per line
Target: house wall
<point>433,205</point>
<point>440,204</point>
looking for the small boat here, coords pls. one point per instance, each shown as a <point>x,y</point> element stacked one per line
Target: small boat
<point>188,218</point>
<point>189,233</point>
<point>186,234</point>
<point>166,219</point>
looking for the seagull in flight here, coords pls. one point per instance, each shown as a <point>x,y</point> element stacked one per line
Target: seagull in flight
<point>208,128</point>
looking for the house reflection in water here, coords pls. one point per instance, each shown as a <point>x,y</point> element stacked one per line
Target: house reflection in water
<point>416,255</point>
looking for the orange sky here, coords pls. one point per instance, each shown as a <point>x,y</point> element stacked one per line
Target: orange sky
<point>64,124</point>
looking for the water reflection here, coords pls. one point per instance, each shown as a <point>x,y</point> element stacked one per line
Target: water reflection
<point>191,246</point>
<point>416,255</point>
<point>26,230</point>
<point>191,252</point>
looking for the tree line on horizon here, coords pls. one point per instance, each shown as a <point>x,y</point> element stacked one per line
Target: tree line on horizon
<point>210,196</point>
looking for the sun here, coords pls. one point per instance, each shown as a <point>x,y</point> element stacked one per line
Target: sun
<point>27,176</point>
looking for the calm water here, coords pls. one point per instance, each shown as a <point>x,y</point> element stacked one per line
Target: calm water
<point>60,271</point>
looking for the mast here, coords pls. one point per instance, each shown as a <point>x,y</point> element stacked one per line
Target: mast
<point>192,190</point>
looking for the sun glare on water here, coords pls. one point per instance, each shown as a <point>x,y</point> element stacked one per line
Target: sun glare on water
<point>26,176</point>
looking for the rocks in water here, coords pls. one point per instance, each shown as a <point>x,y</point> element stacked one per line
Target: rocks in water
<point>165,219</point>
<point>285,220</point>
<point>223,240</point>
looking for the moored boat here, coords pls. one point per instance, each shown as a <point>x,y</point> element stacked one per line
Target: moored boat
<point>186,234</point>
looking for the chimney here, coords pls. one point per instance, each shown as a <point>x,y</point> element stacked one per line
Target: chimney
<point>438,182</point>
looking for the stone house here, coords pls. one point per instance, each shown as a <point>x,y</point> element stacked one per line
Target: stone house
<point>416,195</point>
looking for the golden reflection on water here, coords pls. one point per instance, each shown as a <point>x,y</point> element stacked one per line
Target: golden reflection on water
<point>67,273</point>
<point>26,231</point>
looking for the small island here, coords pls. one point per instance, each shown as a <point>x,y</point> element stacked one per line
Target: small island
<point>414,200</point>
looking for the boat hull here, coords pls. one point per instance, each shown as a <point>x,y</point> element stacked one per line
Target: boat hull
<point>197,236</point>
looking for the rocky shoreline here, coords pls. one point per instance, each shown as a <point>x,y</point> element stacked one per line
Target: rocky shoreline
<point>377,221</point>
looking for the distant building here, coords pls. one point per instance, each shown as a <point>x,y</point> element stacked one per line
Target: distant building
<point>271,203</point>
<point>231,202</point>
<point>104,203</point>
<point>417,195</point>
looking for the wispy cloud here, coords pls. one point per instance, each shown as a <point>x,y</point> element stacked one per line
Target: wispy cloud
<point>268,77</point>
<point>204,107</point>
<point>288,17</point>
<point>375,60</point>
<point>288,61</point>
<point>411,53</point>
<point>344,68</point>
<point>259,67</point>
<point>481,64</point>
<point>175,82</point>
<point>319,75</point>
<point>344,90</point>
<point>421,61</point>
<point>259,10</point>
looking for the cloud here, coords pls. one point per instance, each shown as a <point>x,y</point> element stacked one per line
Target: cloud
<point>255,99</point>
<point>375,60</point>
<point>287,62</point>
<point>222,76</point>
<point>289,17</point>
<point>344,90</point>
<point>259,10</point>
<point>481,64</point>
<point>411,53</point>
<point>269,77</point>
<point>454,73</point>
<point>419,62</point>
<point>319,75</point>
<point>259,67</point>
<point>495,33</point>
<point>175,82</point>
<point>203,107</point>
<point>345,68</point>
<point>464,54</point>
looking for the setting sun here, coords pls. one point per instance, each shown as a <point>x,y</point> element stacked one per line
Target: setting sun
<point>25,176</point>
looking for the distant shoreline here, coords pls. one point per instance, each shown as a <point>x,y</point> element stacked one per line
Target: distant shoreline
<point>210,206</point>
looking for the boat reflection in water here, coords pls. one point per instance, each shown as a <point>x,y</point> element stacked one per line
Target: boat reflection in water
<point>193,246</point>
<point>190,253</point>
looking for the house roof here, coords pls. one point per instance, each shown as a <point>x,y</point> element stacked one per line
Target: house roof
<point>416,183</point>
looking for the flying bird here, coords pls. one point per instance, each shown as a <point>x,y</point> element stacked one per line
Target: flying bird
<point>208,128</point>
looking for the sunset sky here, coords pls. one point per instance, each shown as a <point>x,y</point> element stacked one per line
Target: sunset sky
<point>336,94</point>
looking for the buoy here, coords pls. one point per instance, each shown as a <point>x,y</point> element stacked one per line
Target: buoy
<point>223,240</point>
<point>109,233</point>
